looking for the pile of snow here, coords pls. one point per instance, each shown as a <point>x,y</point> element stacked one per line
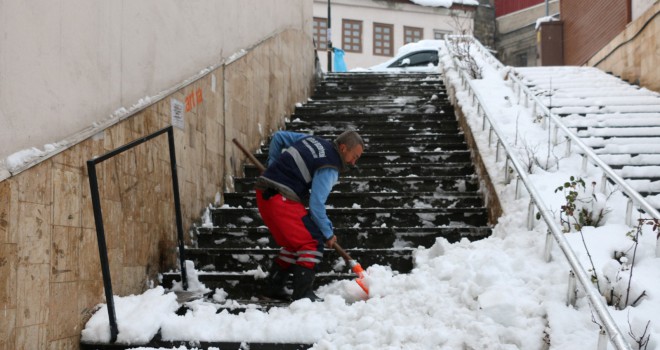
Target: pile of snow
<point>445,3</point>
<point>544,20</point>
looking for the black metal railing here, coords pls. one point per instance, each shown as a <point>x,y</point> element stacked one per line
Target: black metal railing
<point>98,218</point>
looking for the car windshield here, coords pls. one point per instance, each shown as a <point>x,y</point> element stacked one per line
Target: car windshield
<point>416,59</point>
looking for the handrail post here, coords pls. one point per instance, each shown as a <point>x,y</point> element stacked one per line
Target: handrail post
<point>530,215</point>
<point>177,209</point>
<point>602,339</point>
<point>103,249</point>
<point>547,254</point>
<point>603,184</point>
<point>571,296</point>
<point>98,219</point>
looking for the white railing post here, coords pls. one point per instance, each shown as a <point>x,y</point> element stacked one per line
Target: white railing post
<point>629,208</point>
<point>547,253</point>
<point>602,339</point>
<point>571,297</point>
<point>530,215</point>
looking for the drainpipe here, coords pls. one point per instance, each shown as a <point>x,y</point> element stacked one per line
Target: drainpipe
<point>547,8</point>
<point>329,40</point>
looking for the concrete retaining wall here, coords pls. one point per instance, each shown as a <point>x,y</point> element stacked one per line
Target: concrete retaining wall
<point>634,54</point>
<point>49,261</point>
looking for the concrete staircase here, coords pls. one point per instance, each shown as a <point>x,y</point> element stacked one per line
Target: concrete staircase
<point>620,121</point>
<point>415,182</point>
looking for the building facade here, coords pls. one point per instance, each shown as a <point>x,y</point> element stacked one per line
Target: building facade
<point>371,31</point>
<point>516,40</point>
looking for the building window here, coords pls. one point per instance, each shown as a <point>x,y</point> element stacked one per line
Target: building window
<point>321,33</point>
<point>439,34</point>
<point>383,39</point>
<point>412,34</point>
<point>521,59</point>
<point>351,35</point>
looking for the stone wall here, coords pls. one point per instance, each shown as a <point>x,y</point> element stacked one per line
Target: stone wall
<point>485,29</point>
<point>634,54</point>
<point>49,260</point>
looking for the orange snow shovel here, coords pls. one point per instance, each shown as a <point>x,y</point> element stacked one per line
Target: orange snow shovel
<point>354,265</point>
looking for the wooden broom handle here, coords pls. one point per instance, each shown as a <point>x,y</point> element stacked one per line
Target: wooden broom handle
<point>254,160</point>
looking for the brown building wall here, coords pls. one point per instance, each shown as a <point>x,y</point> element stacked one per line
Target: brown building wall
<point>589,25</point>
<point>634,55</point>
<point>50,277</point>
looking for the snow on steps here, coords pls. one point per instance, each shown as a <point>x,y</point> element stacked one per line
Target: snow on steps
<point>620,121</point>
<point>415,182</point>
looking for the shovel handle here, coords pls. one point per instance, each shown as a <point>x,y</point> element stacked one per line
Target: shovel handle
<point>342,252</point>
<point>254,160</point>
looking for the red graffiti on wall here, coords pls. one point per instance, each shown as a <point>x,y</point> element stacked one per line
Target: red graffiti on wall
<point>194,99</point>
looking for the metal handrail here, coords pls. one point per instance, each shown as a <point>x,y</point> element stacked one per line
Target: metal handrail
<point>588,151</point>
<point>98,218</point>
<point>616,336</point>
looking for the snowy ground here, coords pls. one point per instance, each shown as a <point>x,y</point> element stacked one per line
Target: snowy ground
<point>496,293</point>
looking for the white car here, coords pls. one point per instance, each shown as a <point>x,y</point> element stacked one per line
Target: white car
<point>421,56</point>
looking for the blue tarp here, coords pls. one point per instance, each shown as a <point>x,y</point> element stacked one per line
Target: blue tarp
<point>339,64</point>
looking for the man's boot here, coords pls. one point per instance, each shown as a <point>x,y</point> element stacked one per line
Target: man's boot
<point>303,282</point>
<point>274,288</point>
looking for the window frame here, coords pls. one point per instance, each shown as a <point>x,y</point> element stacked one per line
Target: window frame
<point>376,42</point>
<point>316,32</point>
<point>360,43</point>
<point>442,33</point>
<point>414,30</point>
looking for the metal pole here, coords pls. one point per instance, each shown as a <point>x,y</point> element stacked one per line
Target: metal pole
<point>329,40</point>
<point>571,297</point>
<point>103,249</point>
<point>177,208</point>
<point>547,253</point>
<point>530,215</point>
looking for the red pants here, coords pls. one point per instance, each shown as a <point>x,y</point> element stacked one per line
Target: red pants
<point>300,239</point>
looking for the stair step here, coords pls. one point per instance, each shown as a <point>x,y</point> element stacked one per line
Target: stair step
<point>437,184</point>
<point>369,217</point>
<point>374,117</point>
<point>158,343</point>
<point>384,158</point>
<point>244,285</point>
<point>373,127</point>
<point>377,199</point>
<point>350,94</point>
<point>249,259</point>
<point>397,169</point>
<point>349,237</point>
<point>427,109</point>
